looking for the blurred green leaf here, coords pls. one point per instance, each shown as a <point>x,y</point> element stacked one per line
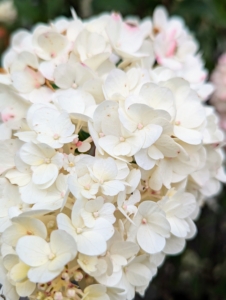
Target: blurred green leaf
<point>124,7</point>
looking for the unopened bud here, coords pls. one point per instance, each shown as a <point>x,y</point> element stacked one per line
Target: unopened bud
<point>58,296</point>
<point>65,276</point>
<point>78,276</point>
<point>51,224</point>
<point>71,293</point>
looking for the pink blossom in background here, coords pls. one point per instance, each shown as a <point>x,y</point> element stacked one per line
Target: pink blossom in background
<point>219,96</point>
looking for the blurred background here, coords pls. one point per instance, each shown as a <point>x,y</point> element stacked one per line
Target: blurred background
<point>199,273</point>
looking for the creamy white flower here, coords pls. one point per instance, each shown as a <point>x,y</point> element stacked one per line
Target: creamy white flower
<point>109,133</point>
<point>105,173</point>
<point>46,260</point>
<point>79,104</point>
<point>71,75</point>
<point>16,279</point>
<point>126,40</point>
<point>83,186</point>
<point>129,93</point>
<point>178,207</point>
<point>127,206</point>
<point>24,73</point>
<point>90,241</point>
<point>98,291</point>
<point>22,226</point>
<point>95,209</point>
<point>45,163</point>
<point>56,195</point>
<point>52,127</point>
<point>70,162</point>
<point>48,43</point>
<point>8,149</point>
<point>87,263</point>
<point>147,229</point>
<point>142,119</point>
<point>117,256</point>
<point>190,113</point>
<point>13,108</point>
<point>91,48</point>
<point>119,85</point>
<point>172,42</point>
<point>136,274</point>
<point>11,204</point>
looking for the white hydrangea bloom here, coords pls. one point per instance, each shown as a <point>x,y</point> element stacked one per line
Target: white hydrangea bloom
<point>90,241</point>
<point>46,260</point>
<point>45,163</point>
<point>149,234</point>
<point>107,154</point>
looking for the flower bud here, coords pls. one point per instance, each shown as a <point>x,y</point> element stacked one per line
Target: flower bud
<point>71,293</point>
<point>78,276</point>
<point>58,296</point>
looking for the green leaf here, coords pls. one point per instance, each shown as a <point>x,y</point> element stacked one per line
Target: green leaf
<point>83,135</point>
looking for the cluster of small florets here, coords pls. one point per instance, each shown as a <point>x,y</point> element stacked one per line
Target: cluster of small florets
<point>107,153</point>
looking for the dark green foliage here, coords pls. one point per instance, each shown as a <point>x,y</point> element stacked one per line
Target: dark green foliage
<point>83,135</point>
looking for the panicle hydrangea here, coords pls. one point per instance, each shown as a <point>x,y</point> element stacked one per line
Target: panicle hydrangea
<point>107,154</point>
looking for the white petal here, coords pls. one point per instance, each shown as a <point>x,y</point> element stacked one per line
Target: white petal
<point>58,263</point>
<point>125,249</point>
<point>152,133</point>
<point>61,243</point>
<point>31,154</point>
<point>143,160</point>
<point>133,180</point>
<point>105,169</point>
<point>33,250</point>
<point>88,218</point>
<point>112,187</point>
<point>25,288</point>
<point>174,245</point>
<point>8,149</point>
<point>18,273</point>
<point>16,177</point>
<point>64,223</point>
<point>150,241</point>
<point>179,227</point>
<point>122,148</point>
<point>138,274</point>
<point>42,274</point>
<point>45,173</point>
<point>189,136</point>
<point>103,228</point>
<point>91,244</point>
<point>30,193</point>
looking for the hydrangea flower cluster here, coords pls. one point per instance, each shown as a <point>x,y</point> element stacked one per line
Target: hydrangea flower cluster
<point>107,153</point>
<point>219,97</point>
